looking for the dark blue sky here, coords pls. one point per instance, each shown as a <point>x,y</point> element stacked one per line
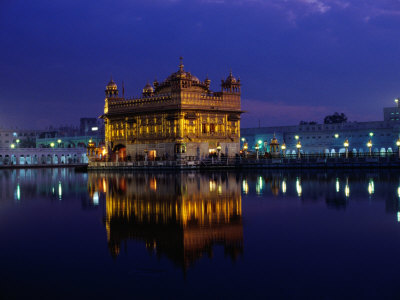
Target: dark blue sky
<point>297,59</point>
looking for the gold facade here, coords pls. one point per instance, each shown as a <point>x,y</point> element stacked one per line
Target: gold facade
<point>179,116</point>
<point>181,217</point>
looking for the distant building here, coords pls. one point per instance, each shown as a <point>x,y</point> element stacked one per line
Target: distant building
<point>91,127</point>
<point>329,138</point>
<point>178,117</point>
<point>18,138</point>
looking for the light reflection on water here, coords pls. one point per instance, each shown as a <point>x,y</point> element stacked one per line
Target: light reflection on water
<point>198,228</point>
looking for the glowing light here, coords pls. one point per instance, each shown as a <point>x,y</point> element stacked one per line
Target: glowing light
<point>284,186</point>
<point>59,141</point>
<point>398,191</point>
<point>337,185</point>
<point>283,146</point>
<point>219,189</point>
<point>371,134</point>
<point>371,187</point>
<point>59,190</point>
<point>96,198</point>
<point>52,145</point>
<point>213,186</point>
<point>398,142</point>
<point>298,187</point>
<point>398,216</point>
<point>260,142</point>
<point>347,191</point>
<point>17,141</point>
<point>369,144</point>
<point>95,128</point>
<point>259,185</point>
<point>12,146</point>
<point>245,186</point>
<point>243,139</point>
<point>336,135</point>
<point>296,137</point>
<point>18,193</point>
<point>298,145</point>
<point>346,143</point>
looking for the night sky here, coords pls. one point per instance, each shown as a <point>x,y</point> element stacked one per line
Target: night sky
<point>297,59</point>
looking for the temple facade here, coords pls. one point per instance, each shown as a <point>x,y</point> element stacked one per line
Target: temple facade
<point>174,119</point>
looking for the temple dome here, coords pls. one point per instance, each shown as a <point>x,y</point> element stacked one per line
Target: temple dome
<point>111,85</point>
<point>148,88</point>
<point>230,78</point>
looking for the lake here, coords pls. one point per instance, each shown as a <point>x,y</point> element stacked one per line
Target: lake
<point>197,235</point>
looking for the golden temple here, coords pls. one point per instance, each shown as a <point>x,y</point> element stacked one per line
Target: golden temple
<point>174,119</point>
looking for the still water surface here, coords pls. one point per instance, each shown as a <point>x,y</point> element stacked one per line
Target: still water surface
<point>199,235</point>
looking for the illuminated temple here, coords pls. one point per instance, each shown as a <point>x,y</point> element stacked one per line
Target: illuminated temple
<point>179,217</point>
<point>177,118</point>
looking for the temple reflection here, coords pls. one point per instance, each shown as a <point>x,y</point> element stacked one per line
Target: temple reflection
<point>179,215</point>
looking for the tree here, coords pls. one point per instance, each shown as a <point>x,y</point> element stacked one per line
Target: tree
<point>335,118</point>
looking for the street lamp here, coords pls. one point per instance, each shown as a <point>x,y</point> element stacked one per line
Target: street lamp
<point>298,146</point>
<point>283,147</point>
<point>346,146</point>
<point>52,145</point>
<point>12,146</point>
<point>398,145</point>
<point>369,145</point>
<point>257,148</point>
<point>245,147</point>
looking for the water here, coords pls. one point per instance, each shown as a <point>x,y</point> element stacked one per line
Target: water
<point>216,235</point>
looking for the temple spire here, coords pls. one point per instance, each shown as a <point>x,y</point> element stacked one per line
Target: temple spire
<point>181,64</point>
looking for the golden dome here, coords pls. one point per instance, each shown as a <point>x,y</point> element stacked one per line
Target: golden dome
<point>230,78</point>
<point>148,88</point>
<point>111,85</point>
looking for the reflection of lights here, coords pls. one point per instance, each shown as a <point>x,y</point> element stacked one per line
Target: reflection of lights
<point>371,187</point>
<point>337,185</point>
<point>284,186</point>
<point>298,187</point>
<point>259,185</point>
<point>96,198</point>
<point>219,189</point>
<point>245,186</point>
<point>59,190</point>
<point>18,193</point>
<point>153,184</point>
<point>347,190</point>
<point>213,186</point>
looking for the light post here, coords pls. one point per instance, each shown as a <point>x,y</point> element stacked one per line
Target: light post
<point>59,142</point>
<point>245,147</point>
<point>283,147</point>
<point>257,148</point>
<point>52,145</point>
<point>398,145</point>
<point>12,146</point>
<point>369,145</point>
<point>219,151</point>
<point>346,146</point>
<point>298,146</point>
<point>17,141</point>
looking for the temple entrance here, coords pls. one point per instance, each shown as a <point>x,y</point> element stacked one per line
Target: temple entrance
<point>152,154</point>
<point>120,152</point>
